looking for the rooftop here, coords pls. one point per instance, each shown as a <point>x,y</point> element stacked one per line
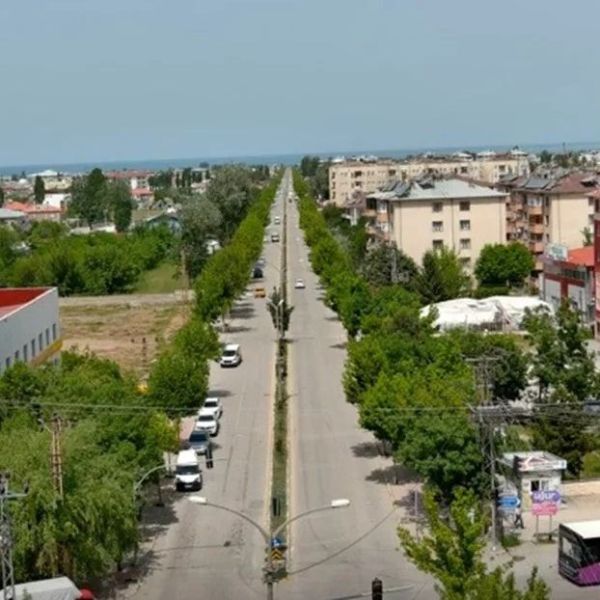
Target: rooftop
<point>534,460</point>
<point>12,299</point>
<point>582,256</point>
<point>432,188</point>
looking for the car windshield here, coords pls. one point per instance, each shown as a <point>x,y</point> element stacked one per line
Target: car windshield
<point>186,469</point>
<point>229,353</point>
<point>198,437</point>
<point>205,418</point>
<point>210,404</point>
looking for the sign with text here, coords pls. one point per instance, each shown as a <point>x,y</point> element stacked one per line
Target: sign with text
<point>544,509</point>
<point>545,496</point>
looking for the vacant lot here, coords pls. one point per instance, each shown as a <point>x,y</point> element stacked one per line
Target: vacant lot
<point>129,333</point>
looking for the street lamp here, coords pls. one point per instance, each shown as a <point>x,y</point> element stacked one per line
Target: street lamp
<point>334,504</point>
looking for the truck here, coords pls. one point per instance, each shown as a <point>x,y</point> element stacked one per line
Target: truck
<point>57,588</point>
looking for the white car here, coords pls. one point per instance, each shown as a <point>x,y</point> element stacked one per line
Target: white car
<point>299,285</point>
<point>213,404</point>
<point>206,420</point>
<point>232,356</point>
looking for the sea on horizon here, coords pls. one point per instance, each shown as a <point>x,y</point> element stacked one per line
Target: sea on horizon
<point>272,159</point>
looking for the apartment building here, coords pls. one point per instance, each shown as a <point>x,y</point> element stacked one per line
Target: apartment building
<point>434,212</point>
<point>367,175</point>
<point>550,208</point>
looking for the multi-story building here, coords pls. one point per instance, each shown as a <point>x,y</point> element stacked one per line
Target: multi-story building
<point>367,175</point>
<point>29,326</point>
<point>550,209</point>
<point>435,212</point>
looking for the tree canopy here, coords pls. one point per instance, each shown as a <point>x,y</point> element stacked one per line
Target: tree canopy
<point>442,277</point>
<point>504,265</point>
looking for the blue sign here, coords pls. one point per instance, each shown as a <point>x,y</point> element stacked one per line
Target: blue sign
<point>277,543</point>
<point>509,501</point>
<point>546,496</point>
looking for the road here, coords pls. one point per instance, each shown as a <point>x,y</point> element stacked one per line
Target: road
<point>198,551</point>
<point>331,457</point>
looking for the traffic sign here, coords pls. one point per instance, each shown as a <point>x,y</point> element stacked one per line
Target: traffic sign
<point>509,501</point>
<point>276,554</point>
<point>277,543</point>
<point>545,496</point>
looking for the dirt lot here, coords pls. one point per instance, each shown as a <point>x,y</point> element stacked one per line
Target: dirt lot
<point>118,331</point>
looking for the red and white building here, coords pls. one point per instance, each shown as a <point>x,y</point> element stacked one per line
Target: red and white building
<point>37,212</point>
<point>29,326</point>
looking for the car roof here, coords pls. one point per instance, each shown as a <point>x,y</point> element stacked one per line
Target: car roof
<point>205,411</point>
<point>186,457</point>
<point>211,398</point>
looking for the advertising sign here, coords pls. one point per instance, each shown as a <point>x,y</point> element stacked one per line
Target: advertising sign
<point>545,502</point>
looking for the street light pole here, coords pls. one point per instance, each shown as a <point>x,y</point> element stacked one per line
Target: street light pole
<point>269,579</point>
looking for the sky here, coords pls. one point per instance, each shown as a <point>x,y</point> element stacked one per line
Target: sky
<point>104,80</point>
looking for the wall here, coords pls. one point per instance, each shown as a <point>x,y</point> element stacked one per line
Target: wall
<point>20,328</point>
<point>569,214</point>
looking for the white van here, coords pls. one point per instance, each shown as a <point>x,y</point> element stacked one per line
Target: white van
<point>187,471</point>
<point>232,355</point>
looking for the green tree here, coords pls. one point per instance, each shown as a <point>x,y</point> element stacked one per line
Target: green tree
<point>88,198</point>
<point>504,265</point>
<point>39,190</point>
<point>120,203</point>
<point>200,221</point>
<point>384,264</point>
<point>588,236</point>
<point>452,552</point>
<point>2,196</point>
<point>566,375</point>
<point>442,277</point>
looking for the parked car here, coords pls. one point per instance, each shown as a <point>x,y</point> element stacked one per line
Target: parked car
<point>299,285</point>
<point>274,237</point>
<point>206,420</point>
<point>257,272</point>
<point>188,475</point>
<point>199,440</point>
<point>231,356</point>
<point>213,403</point>
<point>262,262</point>
<point>260,292</point>
<point>277,220</point>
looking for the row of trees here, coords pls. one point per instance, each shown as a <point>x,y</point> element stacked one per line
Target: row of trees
<point>179,378</point>
<point>413,389</point>
<point>95,264</point>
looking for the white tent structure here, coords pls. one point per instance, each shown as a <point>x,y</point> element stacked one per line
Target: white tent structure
<point>496,313</point>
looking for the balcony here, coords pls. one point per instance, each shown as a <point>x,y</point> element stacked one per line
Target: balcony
<point>535,210</point>
<point>382,217</point>
<point>536,247</point>
<point>537,228</point>
<point>369,213</point>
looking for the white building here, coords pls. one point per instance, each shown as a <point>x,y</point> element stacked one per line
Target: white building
<point>29,326</point>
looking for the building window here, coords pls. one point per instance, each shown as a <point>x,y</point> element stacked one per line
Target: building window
<point>7,362</point>
<point>25,353</point>
<point>465,244</point>
<point>465,225</point>
<point>32,347</point>
<point>53,332</point>
<point>437,226</point>
<point>40,342</point>
<point>464,170</point>
<point>47,336</point>
<point>17,356</point>
<point>465,262</point>
<point>438,244</point>
<point>437,207</point>
<point>464,206</point>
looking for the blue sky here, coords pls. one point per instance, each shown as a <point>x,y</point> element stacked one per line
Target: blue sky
<point>97,80</point>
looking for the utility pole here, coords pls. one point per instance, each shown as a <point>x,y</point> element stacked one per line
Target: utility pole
<point>6,542</point>
<point>485,412</point>
<point>56,456</point>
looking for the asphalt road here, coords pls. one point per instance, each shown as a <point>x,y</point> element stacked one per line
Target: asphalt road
<point>196,551</point>
<point>334,554</point>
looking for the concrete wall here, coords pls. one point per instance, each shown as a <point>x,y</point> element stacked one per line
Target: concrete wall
<point>33,331</point>
<point>569,214</point>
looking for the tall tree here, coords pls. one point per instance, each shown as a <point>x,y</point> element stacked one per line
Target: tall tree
<point>384,264</point>
<point>39,190</point>
<point>118,199</point>
<point>453,550</point>
<point>442,276</point>
<point>1,196</point>
<point>88,198</point>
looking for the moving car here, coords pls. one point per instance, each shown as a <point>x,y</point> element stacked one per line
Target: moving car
<point>261,262</point>
<point>232,355</point>
<point>187,471</point>
<point>206,420</point>
<point>260,292</point>
<point>299,285</point>
<point>213,403</point>
<point>199,440</point>
<point>274,237</point>
<point>257,272</point>
<point>277,220</point>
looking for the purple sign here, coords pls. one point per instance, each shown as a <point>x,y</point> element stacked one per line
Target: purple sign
<point>545,496</point>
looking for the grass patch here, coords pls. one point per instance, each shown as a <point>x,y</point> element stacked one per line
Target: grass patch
<point>510,540</point>
<point>164,279</point>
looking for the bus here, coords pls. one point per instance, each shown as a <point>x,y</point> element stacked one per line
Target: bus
<point>579,552</point>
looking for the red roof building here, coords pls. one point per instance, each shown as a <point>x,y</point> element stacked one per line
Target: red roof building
<point>37,212</point>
